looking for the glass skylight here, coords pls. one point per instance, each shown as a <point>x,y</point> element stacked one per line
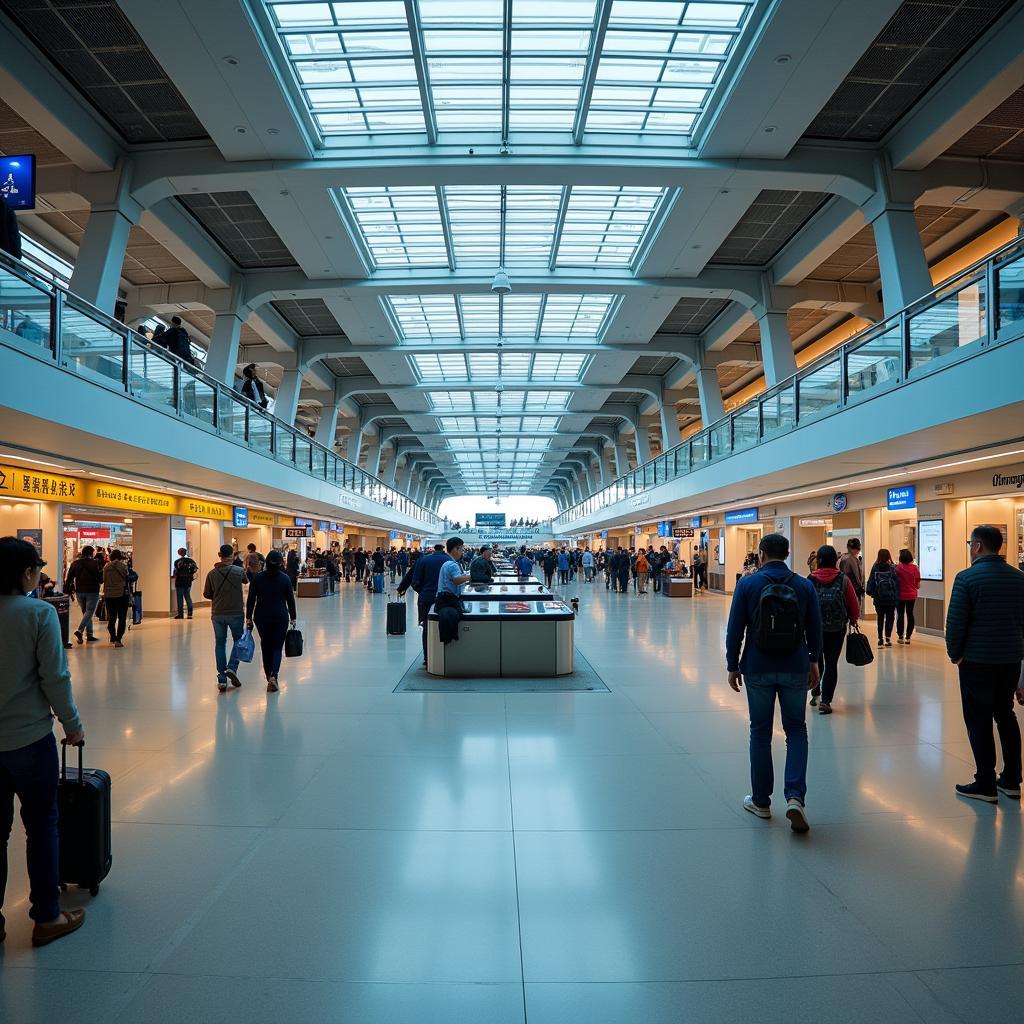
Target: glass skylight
<point>487,401</point>
<point>453,317</point>
<point>467,226</point>
<point>545,367</point>
<point>489,424</point>
<point>434,66</point>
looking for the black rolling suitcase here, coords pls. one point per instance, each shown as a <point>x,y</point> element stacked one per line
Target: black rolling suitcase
<point>396,618</point>
<point>136,607</point>
<point>83,800</point>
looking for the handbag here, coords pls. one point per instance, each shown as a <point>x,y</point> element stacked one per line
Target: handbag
<point>245,647</point>
<point>858,648</point>
<point>293,643</point>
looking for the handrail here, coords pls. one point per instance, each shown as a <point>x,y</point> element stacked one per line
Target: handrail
<point>880,356</point>
<point>85,340</point>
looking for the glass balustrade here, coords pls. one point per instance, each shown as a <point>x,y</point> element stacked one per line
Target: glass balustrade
<point>958,314</point>
<point>41,317</point>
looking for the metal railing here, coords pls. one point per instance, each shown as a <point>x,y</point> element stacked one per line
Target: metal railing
<point>46,320</point>
<point>980,307</point>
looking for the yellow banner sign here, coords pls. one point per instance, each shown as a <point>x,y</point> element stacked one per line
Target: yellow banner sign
<point>285,520</point>
<point>16,482</point>
<point>258,518</point>
<point>205,509</point>
<point>130,499</point>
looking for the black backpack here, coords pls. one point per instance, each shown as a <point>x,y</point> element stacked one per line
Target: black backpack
<point>832,602</point>
<point>886,588</point>
<point>778,623</point>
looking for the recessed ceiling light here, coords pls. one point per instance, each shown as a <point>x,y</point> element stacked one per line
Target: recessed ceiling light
<point>233,61</point>
<point>783,58</point>
<point>768,129</point>
<point>273,131</point>
<point>240,130</point>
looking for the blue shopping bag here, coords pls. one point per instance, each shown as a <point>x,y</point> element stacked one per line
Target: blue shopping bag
<point>245,647</point>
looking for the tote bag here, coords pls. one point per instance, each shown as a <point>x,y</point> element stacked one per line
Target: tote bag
<point>293,644</point>
<point>245,647</point>
<point>858,648</point>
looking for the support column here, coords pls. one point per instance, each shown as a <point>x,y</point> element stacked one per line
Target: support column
<point>901,259</point>
<point>602,465</point>
<point>643,447</point>
<point>670,436</point>
<point>373,457</point>
<point>712,407</point>
<point>97,272</point>
<point>222,357</point>
<point>286,401</point>
<point>621,459</point>
<point>777,355</point>
<point>327,426</point>
<point>391,475</point>
<point>403,478</point>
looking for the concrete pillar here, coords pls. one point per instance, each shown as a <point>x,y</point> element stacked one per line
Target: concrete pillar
<point>602,466</point>
<point>643,447</point>
<point>373,457</point>
<point>286,401</point>
<point>621,459</point>
<point>391,473</point>
<point>901,260</point>
<point>415,485</point>
<point>403,477</point>
<point>327,426</point>
<point>712,407</point>
<point>97,272</point>
<point>222,357</point>
<point>777,354</point>
<point>670,436</point>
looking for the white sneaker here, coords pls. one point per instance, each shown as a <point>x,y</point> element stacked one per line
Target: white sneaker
<point>761,812</point>
<point>797,815</point>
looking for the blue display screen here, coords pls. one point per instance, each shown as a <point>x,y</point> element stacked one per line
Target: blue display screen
<point>18,181</point>
<point>901,497</point>
<point>490,519</point>
<point>743,515</point>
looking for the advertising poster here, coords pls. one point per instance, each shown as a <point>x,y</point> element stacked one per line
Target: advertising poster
<point>34,537</point>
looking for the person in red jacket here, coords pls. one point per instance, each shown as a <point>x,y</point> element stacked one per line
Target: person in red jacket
<point>840,607</point>
<point>909,577</point>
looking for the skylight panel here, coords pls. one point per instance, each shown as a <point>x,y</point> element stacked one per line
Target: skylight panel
<point>400,226</point>
<point>425,316</point>
<point>575,316</point>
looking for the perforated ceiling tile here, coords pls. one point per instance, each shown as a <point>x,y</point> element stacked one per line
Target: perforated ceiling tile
<point>17,136</point>
<point>918,45</point>
<point>691,316</point>
<point>308,317</point>
<point>654,365</point>
<point>772,219</point>
<point>96,47</point>
<point>346,366</point>
<point>997,136</point>
<point>238,226</point>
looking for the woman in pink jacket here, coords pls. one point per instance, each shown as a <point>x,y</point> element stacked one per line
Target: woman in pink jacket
<point>909,577</point>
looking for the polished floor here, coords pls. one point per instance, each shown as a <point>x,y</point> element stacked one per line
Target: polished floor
<point>339,852</point>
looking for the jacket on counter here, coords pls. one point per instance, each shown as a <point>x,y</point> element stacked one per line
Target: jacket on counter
<point>449,615</point>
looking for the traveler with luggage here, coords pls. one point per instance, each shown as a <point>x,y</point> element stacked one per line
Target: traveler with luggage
<point>185,570</point>
<point>884,589</point>
<point>985,640</point>
<point>223,589</point>
<point>588,566</point>
<point>270,606</point>
<point>35,686</point>
<point>839,608</point>
<point>909,577</point>
<point>116,596</point>
<point>775,618</point>
<point>83,580</point>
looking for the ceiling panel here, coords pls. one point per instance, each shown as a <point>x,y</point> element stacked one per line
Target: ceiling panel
<point>308,317</point>
<point>17,137</point>
<point>692,316</point>
<point>772,219</point>
<point>95,46</point>
<point>997,136</point>
<point>922,40</point>
<point>238,226</point>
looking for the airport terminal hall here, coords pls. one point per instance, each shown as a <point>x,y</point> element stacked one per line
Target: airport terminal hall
<point>511,512</point>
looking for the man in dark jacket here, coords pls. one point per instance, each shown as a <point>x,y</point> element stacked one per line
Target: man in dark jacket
<point>177,341</point>
<point>985,640</point>
<point>783,671</point>
<point>481,569</point>
<point>83,580</point>
<point>360,562</point>
<point>422,577</point>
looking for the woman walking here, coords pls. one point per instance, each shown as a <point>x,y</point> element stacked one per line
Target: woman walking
<point>116,596</point>
<point>34,686</point>
<point>271,606</point>
<point>909,577</point>
<point>884,589</point>
<point>643,567</point>
<point>839,607</point>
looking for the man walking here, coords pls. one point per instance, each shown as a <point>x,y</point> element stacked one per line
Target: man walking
<point>83,580</point>
<point>223,588</point>
<point>185,570</point>
<point>422,577</point>
<point>775,617</point>
<point>853,567</point>
<point>985,640</point>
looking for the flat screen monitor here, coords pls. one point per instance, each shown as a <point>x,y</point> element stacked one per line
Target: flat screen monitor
<point>929,548</point>
<point>18,181</point>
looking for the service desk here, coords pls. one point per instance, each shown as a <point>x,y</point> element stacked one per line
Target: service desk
<point>676,586</point>
<point>515,589</point>
<point>311,586</point>
<point>496,639</point>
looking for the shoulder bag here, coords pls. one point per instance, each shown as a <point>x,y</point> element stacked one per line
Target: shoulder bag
<point>858,648</point>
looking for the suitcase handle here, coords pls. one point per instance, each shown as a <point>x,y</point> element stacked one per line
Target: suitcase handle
<point>64,761</point>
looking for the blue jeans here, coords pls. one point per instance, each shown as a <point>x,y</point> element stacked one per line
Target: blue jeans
<point>221,625</point>
<point>791,689</point>
<point>30,773</point>
<point>87,602</point>
<point>184,596</point>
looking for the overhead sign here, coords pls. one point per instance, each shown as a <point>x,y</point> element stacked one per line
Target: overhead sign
<point>814,521</point>
<point>695,522</point>
<point>303,522</point>
<point>241,520</point>
<point>490,519</point>
<point>741,515</point>
<point>394,535</point>
<point>604,535</point>
<point>295,532</point>
<point>839,502</point>
<point>257,518</point>
<point>640,500</point>
<point>683,531</point>
<point>900,497</point>
<point>1008,480</point>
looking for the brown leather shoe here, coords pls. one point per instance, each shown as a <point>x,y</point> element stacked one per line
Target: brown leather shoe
<point>43,934</point>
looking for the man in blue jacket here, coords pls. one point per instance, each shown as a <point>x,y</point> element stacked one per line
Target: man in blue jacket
<point>985,640</point>
<point>423,579</point>
<point>780,633</point>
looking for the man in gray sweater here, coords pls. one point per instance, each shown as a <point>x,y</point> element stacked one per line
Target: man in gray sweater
<point>985,640</point>
<point>223,588</point>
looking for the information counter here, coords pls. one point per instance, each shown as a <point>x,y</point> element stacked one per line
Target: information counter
<point>497,638</point>
<point>514,589</point>
<point>312,586</point>
<point>677,586</point>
